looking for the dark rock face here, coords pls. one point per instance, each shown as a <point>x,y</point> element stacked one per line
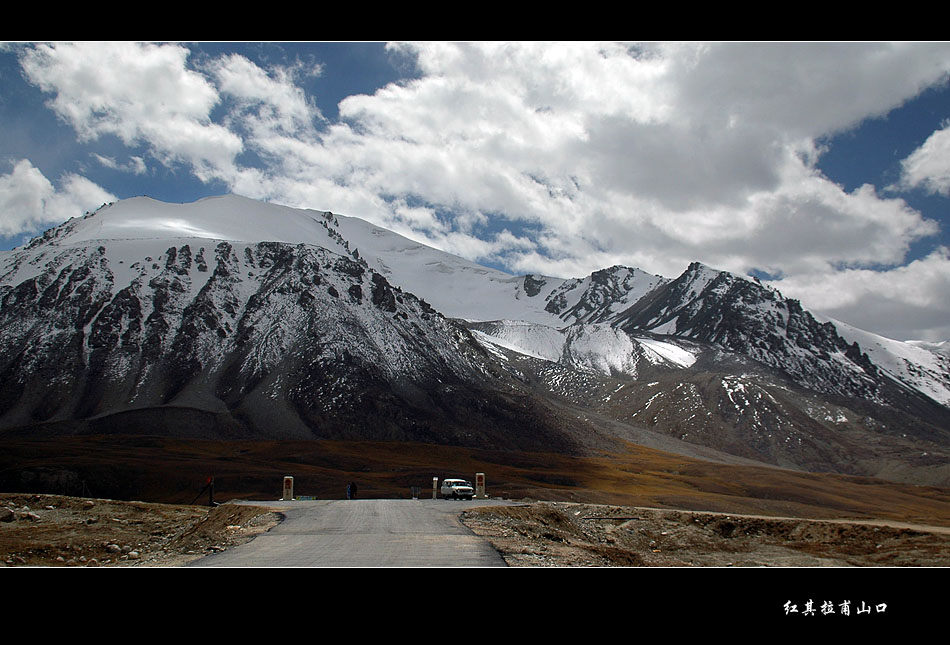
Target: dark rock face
<point>280,340</point>
<point>601,296</point>
<point>745,317</point>
<point>212,339</point>
<point>533,285</point>
<point>770,382</point>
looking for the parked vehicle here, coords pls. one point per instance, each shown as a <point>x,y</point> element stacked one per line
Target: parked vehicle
<point>457,489</point>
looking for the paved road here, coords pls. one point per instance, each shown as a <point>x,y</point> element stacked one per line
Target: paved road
<point>365,533</point>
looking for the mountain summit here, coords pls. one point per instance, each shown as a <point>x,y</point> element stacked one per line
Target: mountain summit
<point>229,317</point>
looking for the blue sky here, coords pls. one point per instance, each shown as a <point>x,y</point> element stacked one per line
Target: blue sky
<point>823,168</point>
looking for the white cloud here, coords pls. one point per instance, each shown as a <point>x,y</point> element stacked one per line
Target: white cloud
<point>135,165</point>
<point>803,89</point>
<point>141,93</point>
<point>652,156</point>
<point>907,302</point>
<point>809,224</point>
<point>677,153</point>
<point>29,201</point>
<point>683,143</point>
<point>929,166</point>
<point>269,104</point>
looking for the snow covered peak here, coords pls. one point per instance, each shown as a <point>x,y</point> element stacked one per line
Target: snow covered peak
<point>453,285</point>
<point>942,347</point>
<point>602,295</point>
<point>698,276</point>
<point>704,304</point>
<point>229,217</point>
<point>923,366</point>
<point>457,287</point>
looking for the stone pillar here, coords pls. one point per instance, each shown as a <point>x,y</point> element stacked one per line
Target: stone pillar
<point>480,486</point>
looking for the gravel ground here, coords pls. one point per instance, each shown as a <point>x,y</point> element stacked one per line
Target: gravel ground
<point>560,534</point>
<point>53,530</point>
<point>57,531</point>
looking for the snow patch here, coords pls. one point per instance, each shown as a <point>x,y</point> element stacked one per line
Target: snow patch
<point>668,352</point>
<point>910,363</point>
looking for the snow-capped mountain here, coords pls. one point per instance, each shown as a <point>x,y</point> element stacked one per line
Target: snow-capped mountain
<point>231,317</point>
<point>942,347</point>
<point>738,314</point>
<point>212,319</point>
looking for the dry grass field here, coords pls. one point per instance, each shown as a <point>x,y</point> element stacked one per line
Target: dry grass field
<point>640,508</point>
<point>177,471</point>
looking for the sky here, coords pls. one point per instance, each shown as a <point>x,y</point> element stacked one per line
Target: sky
<point>822,169</point>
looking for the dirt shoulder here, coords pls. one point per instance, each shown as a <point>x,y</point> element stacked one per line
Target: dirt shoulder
<point>561,534</point>
<point>55,530</point>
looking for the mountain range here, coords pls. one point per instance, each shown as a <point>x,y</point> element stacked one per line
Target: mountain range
<point>230,318</point>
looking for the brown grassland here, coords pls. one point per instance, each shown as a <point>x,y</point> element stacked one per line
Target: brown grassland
<point>641,507</point>
<point>177,471</point>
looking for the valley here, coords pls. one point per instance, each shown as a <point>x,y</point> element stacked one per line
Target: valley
<point>148,348</point>
<point>644,508</point>
<point>168,470</point>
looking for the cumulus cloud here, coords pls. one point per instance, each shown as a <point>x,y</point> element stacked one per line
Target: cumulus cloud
<point>29,201</point>
<point>141,93</point>
<point>906,302</point>
<point>804,89</point>
<point>692,151</point>
<point>928,167</point>
<point>270,100</point>
<point>135,165</point>
<point>556,158</point>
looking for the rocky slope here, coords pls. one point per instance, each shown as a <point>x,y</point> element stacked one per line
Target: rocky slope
<point>215,338</point>
<point>233,318</point>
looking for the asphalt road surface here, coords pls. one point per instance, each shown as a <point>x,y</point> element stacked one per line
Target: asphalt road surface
<point>365,533</point>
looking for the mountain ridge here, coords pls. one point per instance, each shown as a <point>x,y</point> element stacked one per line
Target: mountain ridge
<point>328,327</point>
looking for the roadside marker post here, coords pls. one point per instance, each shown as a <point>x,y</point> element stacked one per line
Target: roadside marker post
<point>480,486</point>
<point>208,487</point>
<point>288,489</point>
<point>435,487</point>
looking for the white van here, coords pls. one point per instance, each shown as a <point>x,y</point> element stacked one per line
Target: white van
<point>457,489</point>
